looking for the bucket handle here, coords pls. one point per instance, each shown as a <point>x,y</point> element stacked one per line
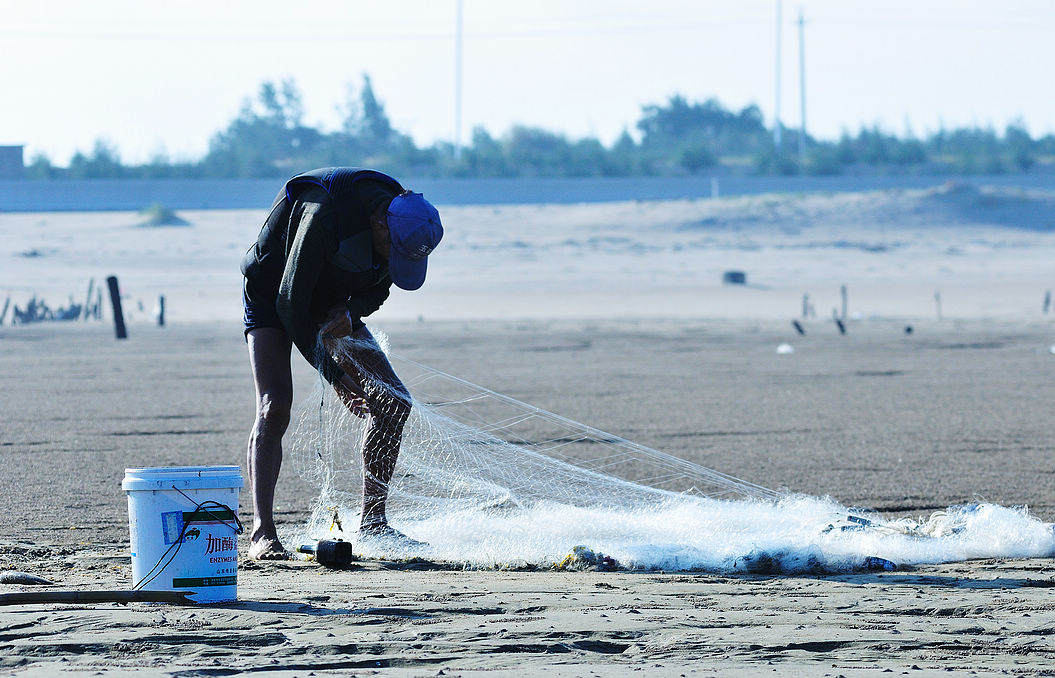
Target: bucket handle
<point>201,507</point>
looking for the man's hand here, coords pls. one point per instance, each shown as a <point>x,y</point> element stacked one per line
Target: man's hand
<point>338,325</point>
<point>354,397</point>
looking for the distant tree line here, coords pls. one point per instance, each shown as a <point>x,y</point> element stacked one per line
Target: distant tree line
<point>268,139</point>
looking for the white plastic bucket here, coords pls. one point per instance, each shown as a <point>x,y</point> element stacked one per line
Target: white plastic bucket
<point>183,524</point>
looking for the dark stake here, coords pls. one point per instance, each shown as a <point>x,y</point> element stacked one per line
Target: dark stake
<point>1047,302</point>
<point>88,299</point>
<point>119,316</point>
<point>798,327</point>
<point>3,313</point>
<point>161,311</point>
<point>841,325</point>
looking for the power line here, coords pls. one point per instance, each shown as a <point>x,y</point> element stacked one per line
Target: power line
<point>286,31</point>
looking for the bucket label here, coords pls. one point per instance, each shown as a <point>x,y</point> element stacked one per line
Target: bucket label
<point>217,544</point>
<point>172,526</point>
<point>172,523</point>
<point>193,582</point>
<point>211,515</point>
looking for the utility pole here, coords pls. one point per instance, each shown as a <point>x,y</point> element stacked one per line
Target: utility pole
<point>458,86</point>
<point>776,115</point>
<point>802,87</point>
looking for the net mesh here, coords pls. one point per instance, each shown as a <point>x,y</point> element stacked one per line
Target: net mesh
<point>483,480</point>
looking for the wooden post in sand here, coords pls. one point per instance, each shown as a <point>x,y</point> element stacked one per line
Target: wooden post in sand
<point>161,310</point>
<point>88,300</point>
<point>839,324</point>
<point>3,313</point>
<point>1047,304</point>
<point>119,316</point>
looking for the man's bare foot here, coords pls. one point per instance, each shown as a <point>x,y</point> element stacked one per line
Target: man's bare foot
<point>267,549</point>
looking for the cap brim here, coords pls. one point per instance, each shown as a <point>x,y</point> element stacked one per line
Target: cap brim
<point>406,274</point>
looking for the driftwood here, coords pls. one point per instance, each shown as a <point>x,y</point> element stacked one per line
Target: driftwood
<point>37,310</point>
<point>25,578</point>
<point>31,597</point>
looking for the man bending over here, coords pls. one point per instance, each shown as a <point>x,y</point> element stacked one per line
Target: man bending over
<point>334,242</point>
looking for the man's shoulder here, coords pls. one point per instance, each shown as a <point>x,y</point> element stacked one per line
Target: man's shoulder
<point>313,194</point>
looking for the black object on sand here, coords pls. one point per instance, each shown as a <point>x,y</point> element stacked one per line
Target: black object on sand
<point>330,553</point>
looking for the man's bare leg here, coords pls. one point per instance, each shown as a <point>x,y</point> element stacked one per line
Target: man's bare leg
<point>388,403</point>
<point>269,351</point>
<point>380,452</point>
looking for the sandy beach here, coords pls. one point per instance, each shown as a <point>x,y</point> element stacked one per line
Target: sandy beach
<point>612,315</point>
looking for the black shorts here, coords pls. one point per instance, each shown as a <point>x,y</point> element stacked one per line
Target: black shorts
<point>258,310</point>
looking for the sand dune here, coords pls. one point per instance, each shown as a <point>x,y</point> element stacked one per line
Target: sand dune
<point>987,252</point>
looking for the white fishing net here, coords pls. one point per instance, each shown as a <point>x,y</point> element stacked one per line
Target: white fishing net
<point>487,481</point>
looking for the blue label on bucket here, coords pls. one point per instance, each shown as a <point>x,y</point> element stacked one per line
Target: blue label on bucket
<point>172,526</point>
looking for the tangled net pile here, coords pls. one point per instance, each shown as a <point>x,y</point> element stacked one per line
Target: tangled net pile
<point>488,481</point>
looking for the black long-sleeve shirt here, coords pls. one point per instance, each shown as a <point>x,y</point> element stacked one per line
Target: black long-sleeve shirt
<point>315,251</point>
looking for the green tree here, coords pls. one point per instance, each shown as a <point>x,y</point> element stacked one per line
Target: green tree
<point>532,151</point>
<point>822,159</point>
<point>40,167</point>
<point>970,150</point>
<point>267,138</point>
<point>769,161</point>
<point>103,163</point>
<point>696,157</point>
<point>485,157</point>
<point>1020,147</point>
<point>686,136</point>
<point>367,135</point>
<point>624,157</point>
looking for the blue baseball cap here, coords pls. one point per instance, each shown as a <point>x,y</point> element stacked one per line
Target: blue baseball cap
<point>415,230</point>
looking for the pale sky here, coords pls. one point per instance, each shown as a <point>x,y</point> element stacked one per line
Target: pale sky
<point>150,76</point>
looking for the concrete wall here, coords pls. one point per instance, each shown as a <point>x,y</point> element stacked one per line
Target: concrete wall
<point>136,194</point>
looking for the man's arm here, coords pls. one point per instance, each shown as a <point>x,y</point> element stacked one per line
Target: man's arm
<point>369,300</point>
